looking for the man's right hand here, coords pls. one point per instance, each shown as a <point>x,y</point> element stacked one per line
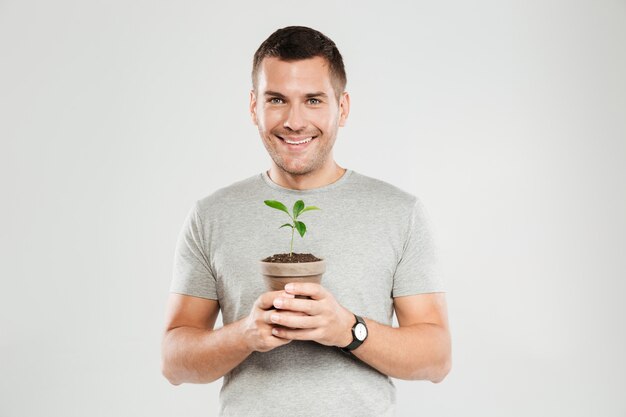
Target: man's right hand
<point>258,325</point>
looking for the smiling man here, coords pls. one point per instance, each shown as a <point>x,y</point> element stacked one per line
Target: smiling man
<point>334,353</point>
<point>298,113</point>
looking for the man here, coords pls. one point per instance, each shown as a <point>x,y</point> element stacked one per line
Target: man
<point>281,355</point>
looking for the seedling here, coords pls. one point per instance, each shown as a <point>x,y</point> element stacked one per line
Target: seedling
<point>298,209</point>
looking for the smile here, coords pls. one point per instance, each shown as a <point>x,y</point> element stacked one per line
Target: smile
<point>297,141</point>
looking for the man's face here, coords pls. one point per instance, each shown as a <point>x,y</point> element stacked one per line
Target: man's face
<point>295,102</point>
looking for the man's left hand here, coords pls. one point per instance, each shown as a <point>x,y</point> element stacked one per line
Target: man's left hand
<point>326,321</point>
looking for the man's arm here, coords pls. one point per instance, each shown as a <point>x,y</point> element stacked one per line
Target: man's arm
<point>193,352</point>
<point>419,349</point>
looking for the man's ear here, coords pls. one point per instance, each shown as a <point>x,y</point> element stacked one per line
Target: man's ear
<point>344,108</point>
<point>253,107</point>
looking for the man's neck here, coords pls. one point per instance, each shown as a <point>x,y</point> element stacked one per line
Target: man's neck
<point>307,181</point>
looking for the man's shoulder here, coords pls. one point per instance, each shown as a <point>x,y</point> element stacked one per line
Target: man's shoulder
<point>381,189</point>
<point>235,193</point>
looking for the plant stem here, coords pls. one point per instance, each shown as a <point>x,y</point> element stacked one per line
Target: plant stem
<point>291,248</point>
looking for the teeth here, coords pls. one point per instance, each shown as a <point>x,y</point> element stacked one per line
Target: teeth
<point>298,143</point>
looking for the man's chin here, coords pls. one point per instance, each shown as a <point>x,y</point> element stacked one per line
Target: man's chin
<point>295,171</point>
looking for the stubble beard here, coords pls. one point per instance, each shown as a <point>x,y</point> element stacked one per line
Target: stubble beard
<point>301,167</point>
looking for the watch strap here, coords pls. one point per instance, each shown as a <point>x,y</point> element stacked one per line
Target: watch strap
<point>355,342</point>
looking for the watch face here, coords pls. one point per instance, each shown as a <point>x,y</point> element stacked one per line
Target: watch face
<point>360,331</point>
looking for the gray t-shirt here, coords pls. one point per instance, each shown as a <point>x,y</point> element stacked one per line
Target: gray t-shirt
<point>377,244</point>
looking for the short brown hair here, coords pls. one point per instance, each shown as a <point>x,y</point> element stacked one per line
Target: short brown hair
<point>294,43</point>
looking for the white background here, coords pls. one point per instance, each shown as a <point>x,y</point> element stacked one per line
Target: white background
<point>507,118</point>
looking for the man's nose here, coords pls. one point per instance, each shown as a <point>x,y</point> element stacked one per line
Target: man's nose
<point>295,119</point>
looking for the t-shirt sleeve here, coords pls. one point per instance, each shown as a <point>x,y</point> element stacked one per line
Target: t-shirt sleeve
<point>192,272</point>
<point>418,270</point>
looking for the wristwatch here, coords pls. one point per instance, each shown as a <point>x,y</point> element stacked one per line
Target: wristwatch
<point>359,334</point>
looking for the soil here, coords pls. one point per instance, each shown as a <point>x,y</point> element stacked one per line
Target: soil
<point>294,258</point>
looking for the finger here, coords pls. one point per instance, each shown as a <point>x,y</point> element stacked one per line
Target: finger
<point>294,334</point>
<point>267,315</point>
<point>310,307</point>
<point>311,289</point>
<point>280,341</point>
<point>294,321</point>
<point>266,300</point>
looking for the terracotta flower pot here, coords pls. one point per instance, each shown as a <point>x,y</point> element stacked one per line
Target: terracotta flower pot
<point>277,275</point>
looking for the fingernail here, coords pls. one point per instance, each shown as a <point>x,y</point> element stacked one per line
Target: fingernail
<point>274,318</point>
<point>278,302</point>
<point>289,287</point>
<point>274,331</point>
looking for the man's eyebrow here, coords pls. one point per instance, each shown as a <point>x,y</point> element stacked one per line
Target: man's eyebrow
<point>308,95</point>
<point>274,94</point>
<point>318,94</point>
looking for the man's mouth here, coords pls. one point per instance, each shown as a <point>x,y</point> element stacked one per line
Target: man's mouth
<point>296,141</point>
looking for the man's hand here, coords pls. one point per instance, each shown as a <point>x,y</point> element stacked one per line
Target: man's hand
<point>258,326</point>
<point>323,319</point>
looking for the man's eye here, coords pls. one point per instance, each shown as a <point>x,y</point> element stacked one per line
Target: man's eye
<point>314,101</point>
<point>275,100</point>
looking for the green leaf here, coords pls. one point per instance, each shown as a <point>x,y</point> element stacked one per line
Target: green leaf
<point>310,208</point>
<point>277,205</point>
<point>297,208</point>
<point>286,224</point>
<point>301,228</point>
